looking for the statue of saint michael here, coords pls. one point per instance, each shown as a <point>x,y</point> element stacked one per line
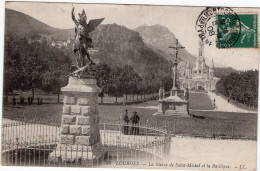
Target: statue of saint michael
<point>82,39</point>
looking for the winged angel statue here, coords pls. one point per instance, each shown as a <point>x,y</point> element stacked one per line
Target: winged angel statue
<point>82,40</point>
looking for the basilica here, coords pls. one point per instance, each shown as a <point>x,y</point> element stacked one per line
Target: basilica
<point>198,76</point>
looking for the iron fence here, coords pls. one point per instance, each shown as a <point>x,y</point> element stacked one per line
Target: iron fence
<point>32,143</point>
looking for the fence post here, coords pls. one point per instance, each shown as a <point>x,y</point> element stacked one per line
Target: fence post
<point>174,127</point>
<point>254,131</point>
<point>104,132</point>
<point>146,131</point>
<point>232,130</point>
<point>16,154</point>
<point>119,120</point>
<point>213,131</point>
<point>165,140</point>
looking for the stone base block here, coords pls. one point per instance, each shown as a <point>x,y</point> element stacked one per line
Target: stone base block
<point>85,155</point>
<point>83,120</point>
<point>65,129</point>
<point>67,139</point>
<point>75,130</point>
<point>83,140</point>
<point>69,120</point>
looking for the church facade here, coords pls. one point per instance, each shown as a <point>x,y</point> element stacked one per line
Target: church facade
<point>198,76</point>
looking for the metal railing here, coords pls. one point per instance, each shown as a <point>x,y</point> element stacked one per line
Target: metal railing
<point>31,143</point>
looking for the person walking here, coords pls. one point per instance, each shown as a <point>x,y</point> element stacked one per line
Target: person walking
<point>21,100</point>
<point>126,121</point>
<point>38,100</point>
<point>41,101</point>
<point>29,100</point>
<point>135,119</point>
<point>14,101</point>
<point>6,99</point>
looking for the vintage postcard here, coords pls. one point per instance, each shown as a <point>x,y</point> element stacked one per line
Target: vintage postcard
<point>130,86</point>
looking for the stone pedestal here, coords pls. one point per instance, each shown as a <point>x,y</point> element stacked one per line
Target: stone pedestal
<point>79,137</point>
<point>173,106</point>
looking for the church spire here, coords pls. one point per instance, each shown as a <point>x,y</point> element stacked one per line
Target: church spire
<point>201,49</point>
<point>212,63</point>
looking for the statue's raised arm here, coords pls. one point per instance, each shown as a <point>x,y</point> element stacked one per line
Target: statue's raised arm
<point>73,17</point>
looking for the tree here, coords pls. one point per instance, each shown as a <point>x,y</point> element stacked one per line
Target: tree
<point>12,60</point>
<point>128,74</point>
<point>242,87</point>
<point>23,64</point>
<point>55,76</point>
<point>103,74</point>
<point>33,65</point>
<point>115,83</point>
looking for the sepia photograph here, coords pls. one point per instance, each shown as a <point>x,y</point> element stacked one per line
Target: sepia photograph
<point>130,86</point>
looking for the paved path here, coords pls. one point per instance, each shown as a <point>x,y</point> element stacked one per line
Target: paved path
<point>210,151</point>
<point>148,107</point>
<point>220,103</point>
<point>223,105</point>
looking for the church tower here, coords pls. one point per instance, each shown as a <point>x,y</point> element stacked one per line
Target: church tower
<point>200,62</point>
<point>201,50</point>
<point>211,69</point>
<point>199,75</point>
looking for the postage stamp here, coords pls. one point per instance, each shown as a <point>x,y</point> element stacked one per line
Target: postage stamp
<point>229,28</point>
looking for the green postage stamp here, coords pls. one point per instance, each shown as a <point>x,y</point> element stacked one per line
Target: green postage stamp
<point>237,31</point>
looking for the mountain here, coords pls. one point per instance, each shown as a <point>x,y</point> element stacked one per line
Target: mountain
<point>117,45</point>
<point>26,26</point>
<point>159,38</point>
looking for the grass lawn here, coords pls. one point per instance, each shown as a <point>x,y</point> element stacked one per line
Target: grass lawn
<point>208,123</point>
<point>200,101</point>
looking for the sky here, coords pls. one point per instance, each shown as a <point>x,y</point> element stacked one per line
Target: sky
<point>180,20</point>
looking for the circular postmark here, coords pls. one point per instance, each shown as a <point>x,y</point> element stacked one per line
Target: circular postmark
<point>220,25</point>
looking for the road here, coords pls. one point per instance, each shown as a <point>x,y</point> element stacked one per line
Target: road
<point>223,105</point>
<point>231,153</point>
